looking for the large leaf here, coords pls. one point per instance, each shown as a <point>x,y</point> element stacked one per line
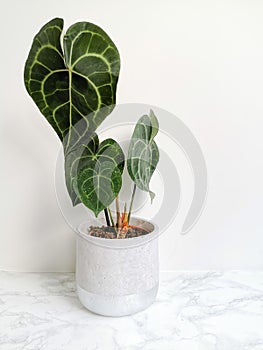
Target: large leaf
<point>143,154</point>
<point>75,84</point>
<point>97,178</point>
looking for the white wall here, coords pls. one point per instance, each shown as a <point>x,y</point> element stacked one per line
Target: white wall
<point>201,60</point>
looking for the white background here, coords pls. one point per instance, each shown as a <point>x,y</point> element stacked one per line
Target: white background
<point>201,60</point>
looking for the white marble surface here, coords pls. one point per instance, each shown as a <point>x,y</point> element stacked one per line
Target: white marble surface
<point>193,311</point>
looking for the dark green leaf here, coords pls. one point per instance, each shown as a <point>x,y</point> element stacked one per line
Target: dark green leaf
<point>78,85</point>
<point>98,179</point>
<point>143,154</point>
<point>76,160</point>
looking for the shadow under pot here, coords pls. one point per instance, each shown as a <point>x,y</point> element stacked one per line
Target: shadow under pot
<point>117,277</point>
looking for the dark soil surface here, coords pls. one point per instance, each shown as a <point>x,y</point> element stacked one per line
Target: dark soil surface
<point>110,233</point>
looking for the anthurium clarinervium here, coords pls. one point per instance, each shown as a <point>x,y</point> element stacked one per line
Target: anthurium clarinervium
<point>73,80</point>
<point>74,87</point>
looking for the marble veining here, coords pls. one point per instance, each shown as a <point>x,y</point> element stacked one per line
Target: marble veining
<point>193,311</point>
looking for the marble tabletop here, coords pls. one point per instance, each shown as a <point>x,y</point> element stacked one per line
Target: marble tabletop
<point>193,311</point>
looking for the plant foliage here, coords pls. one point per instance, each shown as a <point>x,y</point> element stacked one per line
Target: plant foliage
<point>73,80</point>
<point>76,83</point>
<point>143,154</point>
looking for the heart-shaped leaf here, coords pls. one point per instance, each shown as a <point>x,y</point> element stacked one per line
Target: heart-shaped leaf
<point>143,154</point>
<point>97,179</point>
<point>75,84</point>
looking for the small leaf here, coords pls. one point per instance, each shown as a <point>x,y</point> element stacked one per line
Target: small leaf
<point>143,154</point>
<point>99,178</point>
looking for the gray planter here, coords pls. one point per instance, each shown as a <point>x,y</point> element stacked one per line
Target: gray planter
<point>117,277</point>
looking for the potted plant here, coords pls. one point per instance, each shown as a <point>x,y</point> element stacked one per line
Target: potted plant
<point>74,86</point>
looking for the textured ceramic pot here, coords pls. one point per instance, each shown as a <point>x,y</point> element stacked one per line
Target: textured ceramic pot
<point>117,277</point>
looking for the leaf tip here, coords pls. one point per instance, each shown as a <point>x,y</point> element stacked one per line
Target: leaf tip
<point>154,124</point>
<point>152,195</point>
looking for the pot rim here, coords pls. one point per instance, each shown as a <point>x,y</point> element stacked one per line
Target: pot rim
<point>115,243</point>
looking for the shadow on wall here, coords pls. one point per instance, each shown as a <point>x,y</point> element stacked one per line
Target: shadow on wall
<point>38,239</point>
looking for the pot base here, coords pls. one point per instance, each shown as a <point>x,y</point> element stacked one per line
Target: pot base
<point>116,306</point>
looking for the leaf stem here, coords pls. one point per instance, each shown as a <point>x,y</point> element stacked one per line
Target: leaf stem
<point>132,199</point>
<point>119,221</point>
<point>112,222</point>
<point>111,218</point>
<point>107,217</point>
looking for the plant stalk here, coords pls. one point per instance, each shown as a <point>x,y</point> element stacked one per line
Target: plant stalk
<point>107,217</point>
<point>112,222</point>
<point>111,218</point>
<point>119,221</point>
<point>131,204</point>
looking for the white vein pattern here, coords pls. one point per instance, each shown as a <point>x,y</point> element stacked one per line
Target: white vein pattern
<point>193,311</point>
